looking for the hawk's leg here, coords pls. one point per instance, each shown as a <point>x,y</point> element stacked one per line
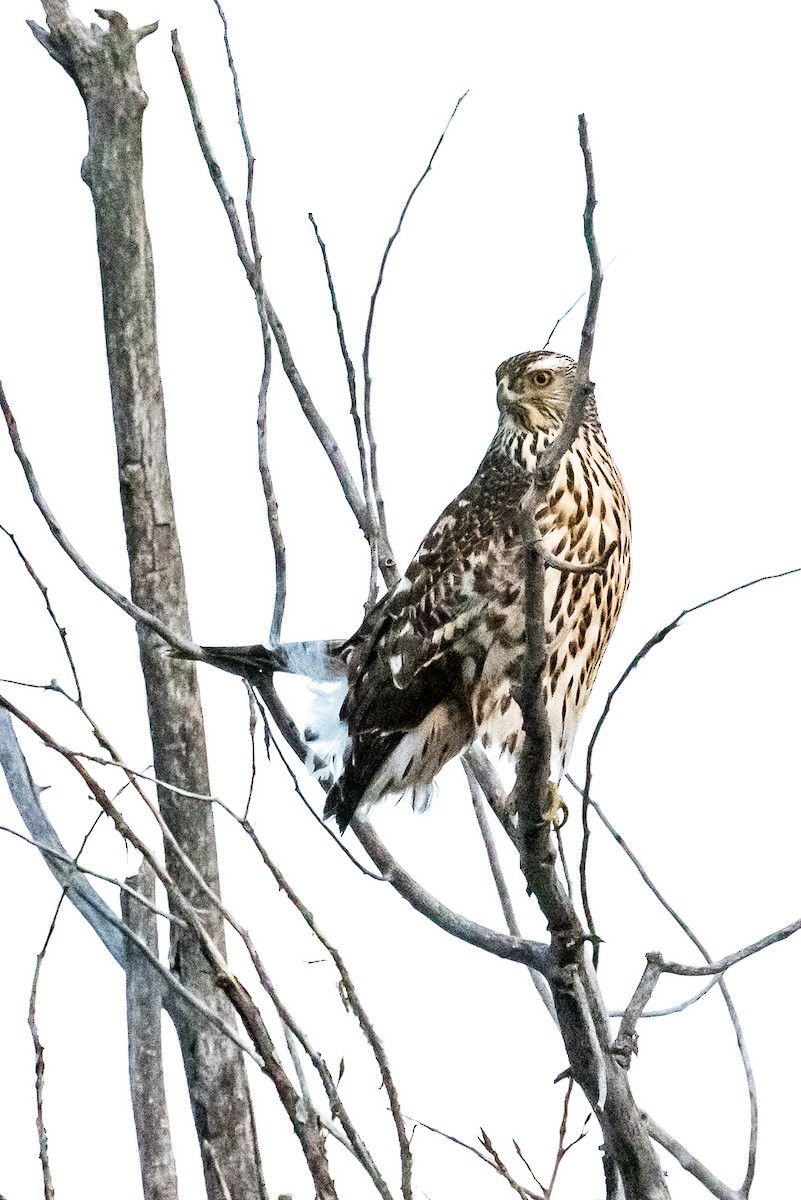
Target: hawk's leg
<point>555,806</point>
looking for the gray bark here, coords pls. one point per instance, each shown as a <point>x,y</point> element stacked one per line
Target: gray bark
<point>103,65</point>
<point>145,1064</point>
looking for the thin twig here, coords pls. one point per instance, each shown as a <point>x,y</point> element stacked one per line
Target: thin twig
<point>41,1129</point>
<point>303,1083</point>
<point>368,383</point>
<point>338,1109</point>
<point>563,1146</point>
<point>674,1008</point>
<point>495,793</point>
<point>253,718</point>
<point>275,707</point>
<point>251,161</point>
<point>568,311</point>
<point>253,269</point>
<point>644,650</point>
<point>491,1159</point>
<point>266,310</point>
<point>733,1016</point>
<point>233,988</point>
<point>537,978</point>
<point>68,860</point>
<point>357,422</point>
<point>351,995</point>
<point>187,648</point>
<point>62,633</point>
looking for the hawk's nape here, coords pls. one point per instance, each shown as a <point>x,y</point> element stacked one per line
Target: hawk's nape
<point>438,661</point>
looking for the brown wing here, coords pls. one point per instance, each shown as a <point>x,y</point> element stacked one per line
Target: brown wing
<point>430,634</point>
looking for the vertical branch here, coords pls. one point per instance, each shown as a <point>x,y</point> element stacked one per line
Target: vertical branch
<point>370,515</point>
<point>145,1065</point>
<point>579,1004</point>
<point>368,333</point>
<point>41,1130</point>
<point>267,313</point>
<point>256,280</point>
<point>103,65</point>
<point>270,499</point>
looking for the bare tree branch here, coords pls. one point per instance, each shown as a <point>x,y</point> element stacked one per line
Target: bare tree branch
<point>41,1129</point>
<point>357,423</point>
<point>537,978</point>
<point>533,954</point>
<point>368,383</point>
<point>717,968</point>
<point>307,1130</point>
<point>25,795</point>
<point>351,997</point>
<point>690,1163</point>
<point>579,1005</point>
<point>676,1008</point>
<point>315,420</point>
<point>68,860</point>
<point>733,1017</point>
<point>102,62</point>
<point>187,648</point>
<point>62,633</point>
<point>644,650</point>
<point>494,792</point>
<point>490,1158</point>
<point>107,925</point>
<point>145,1064</point>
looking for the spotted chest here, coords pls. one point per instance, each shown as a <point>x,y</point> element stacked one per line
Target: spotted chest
<point>585,513</point>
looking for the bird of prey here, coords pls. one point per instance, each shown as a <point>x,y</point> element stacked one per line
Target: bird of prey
<point>438,661</point>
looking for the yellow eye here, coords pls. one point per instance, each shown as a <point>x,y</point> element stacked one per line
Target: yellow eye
<point>541,378</point>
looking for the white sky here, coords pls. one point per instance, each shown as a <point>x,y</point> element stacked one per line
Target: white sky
<point>693,118</point>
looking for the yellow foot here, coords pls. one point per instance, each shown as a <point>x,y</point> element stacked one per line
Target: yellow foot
<point>556,805</point>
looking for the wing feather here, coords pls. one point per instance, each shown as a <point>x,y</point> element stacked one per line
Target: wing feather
<point>429,635</point>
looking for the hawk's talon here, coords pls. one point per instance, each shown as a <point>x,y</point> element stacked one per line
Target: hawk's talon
<point>556,806</point>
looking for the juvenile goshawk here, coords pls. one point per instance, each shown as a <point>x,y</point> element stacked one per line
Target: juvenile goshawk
<point>438,661</point>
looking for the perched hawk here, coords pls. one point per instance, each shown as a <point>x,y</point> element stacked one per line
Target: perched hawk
<point>438,661</point>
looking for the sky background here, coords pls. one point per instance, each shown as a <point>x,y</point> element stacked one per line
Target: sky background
<point>693,118</point>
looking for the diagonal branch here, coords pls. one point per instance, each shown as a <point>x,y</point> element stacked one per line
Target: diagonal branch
<point>267,312</point>
<point>531,954</point>
<point>691,1164</point>
<point>373,534</point>
<point>351,996</point>
<point>733,1016</point>
<point>140,615</point>
<point>62,633</point>
<point>655,640</point>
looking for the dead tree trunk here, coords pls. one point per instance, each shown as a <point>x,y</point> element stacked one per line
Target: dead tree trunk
<point>102,64</point>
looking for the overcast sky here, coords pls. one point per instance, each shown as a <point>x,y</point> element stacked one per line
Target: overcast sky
<point>693,117</point>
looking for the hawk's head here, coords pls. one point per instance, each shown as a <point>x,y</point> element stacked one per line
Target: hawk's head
<point>534,388</point>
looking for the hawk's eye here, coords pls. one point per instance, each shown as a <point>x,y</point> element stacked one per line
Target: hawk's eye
<point>541,378</point>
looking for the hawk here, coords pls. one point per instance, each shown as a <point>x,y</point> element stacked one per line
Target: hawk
<point>438,662</point>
